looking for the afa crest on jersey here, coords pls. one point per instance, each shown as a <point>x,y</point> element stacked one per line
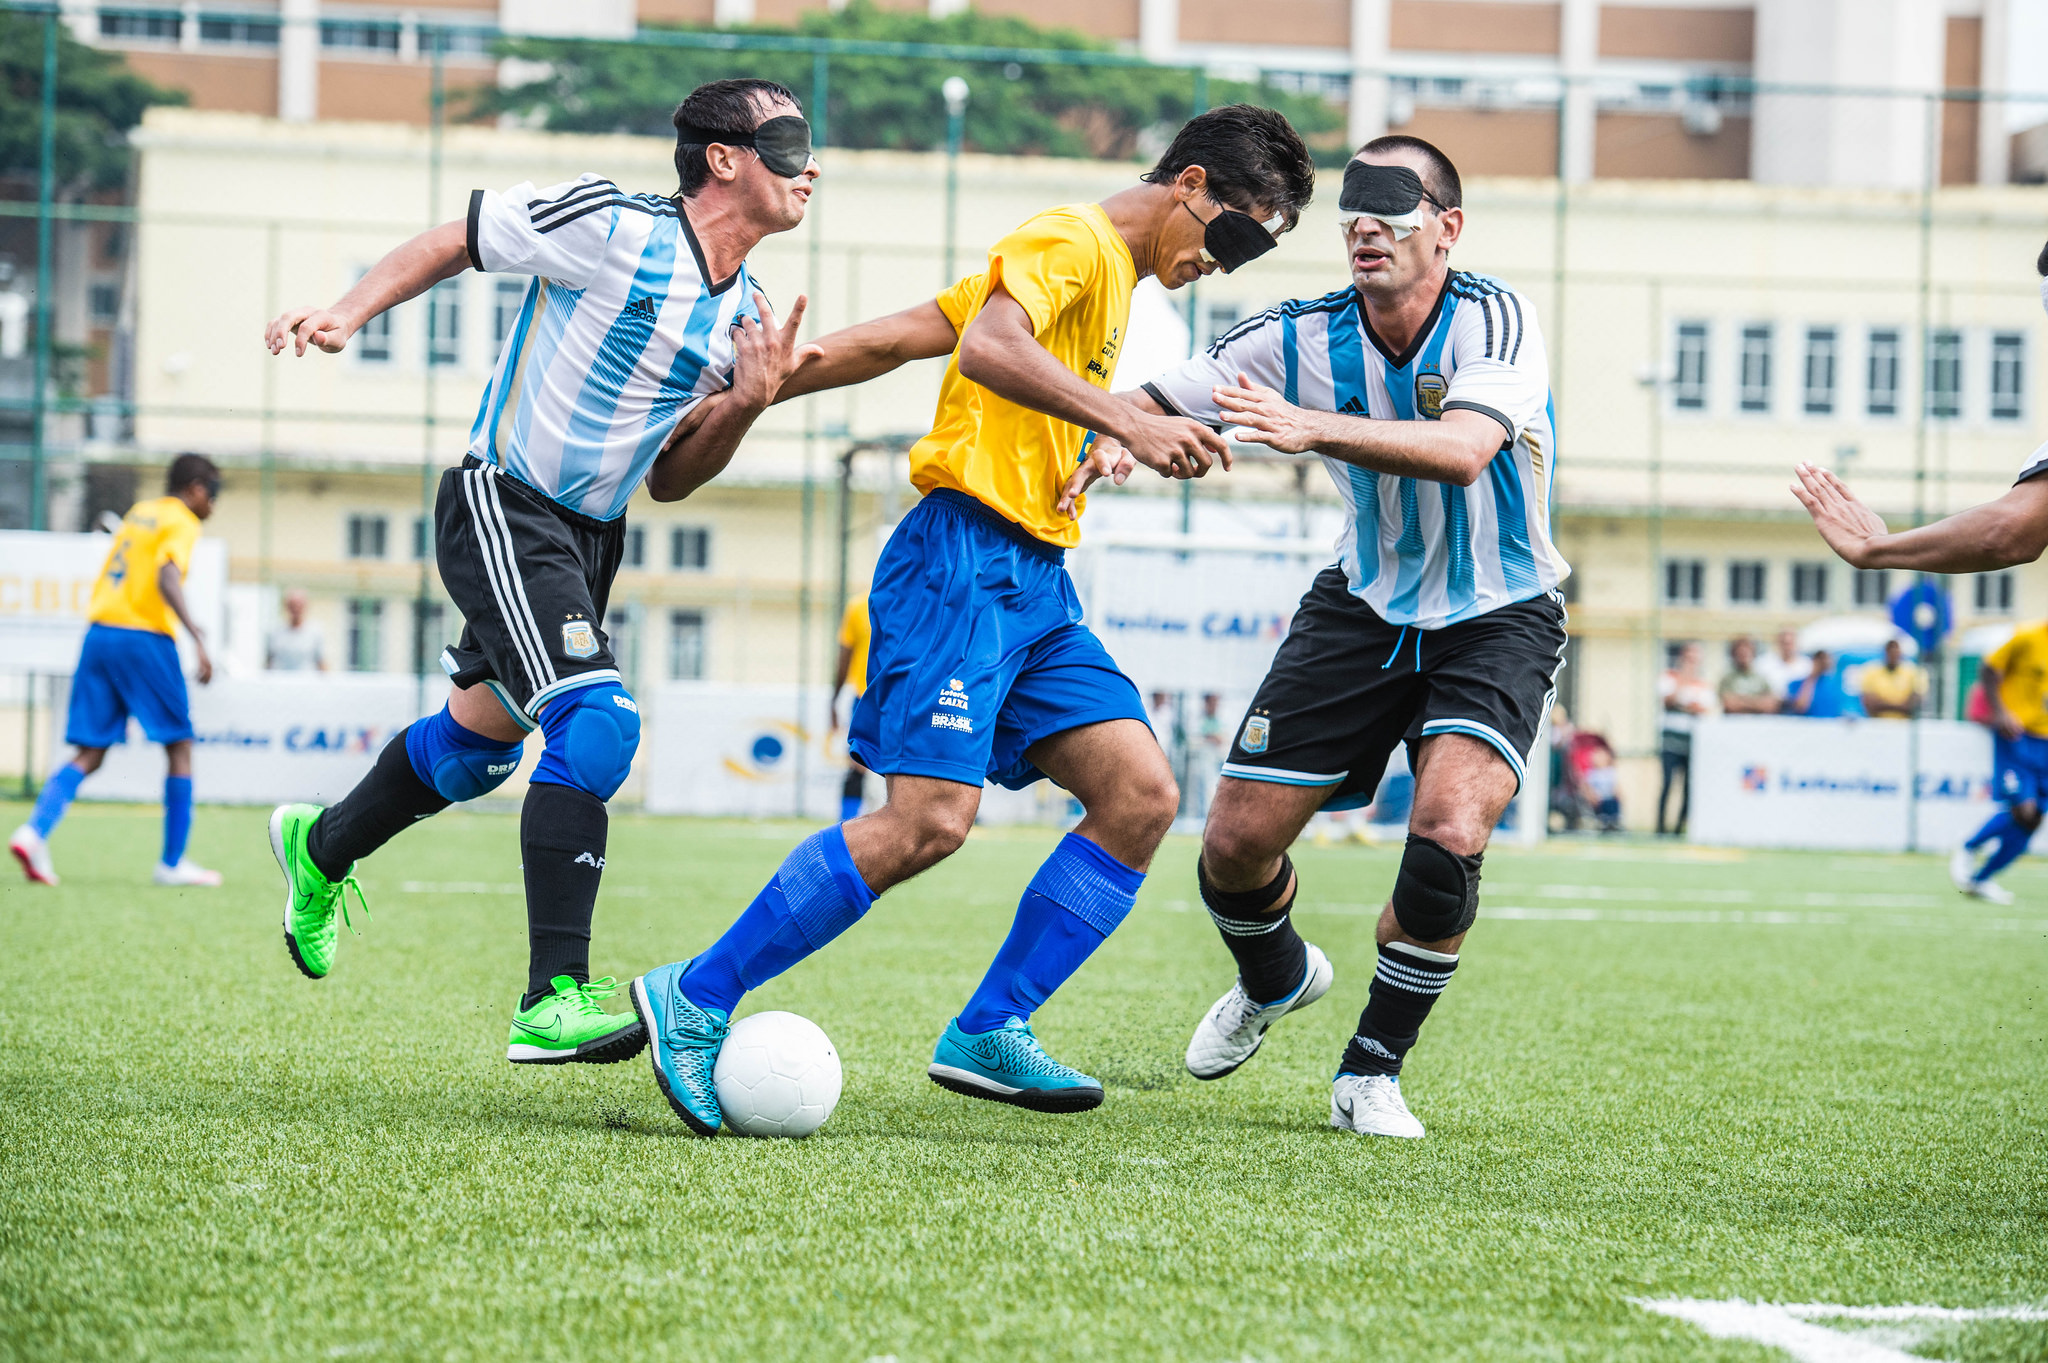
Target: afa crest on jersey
<point>579,639</point>
<point>1429,395</point>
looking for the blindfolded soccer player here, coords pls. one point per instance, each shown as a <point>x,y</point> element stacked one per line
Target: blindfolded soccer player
<point>640,306</point>
<point>979,667</point>
<point>1426,391</point>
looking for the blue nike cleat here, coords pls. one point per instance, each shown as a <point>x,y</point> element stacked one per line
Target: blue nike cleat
<point>683,1042</point>
<point>1009,1066</point>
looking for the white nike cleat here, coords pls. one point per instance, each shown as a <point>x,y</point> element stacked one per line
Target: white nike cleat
<point>1990,891</point>
<point>1962,868</point>
<point>1371,1105</point>
<point>186,872</point>
<point>1233,1029</point>
<point>32,850</point>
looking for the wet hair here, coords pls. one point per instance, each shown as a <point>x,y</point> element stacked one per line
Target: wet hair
<point>732,105</point>
<point>1439,177</point>
<point>1253,156</point>
<point>188,469</point>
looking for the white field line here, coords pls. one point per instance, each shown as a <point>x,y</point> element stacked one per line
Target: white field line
<point>1788,1328</point>
<point>1775,918</point>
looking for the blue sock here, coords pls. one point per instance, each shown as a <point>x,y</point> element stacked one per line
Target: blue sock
<point>817,895</point>
<point>1994,827</point>
<point>2011,844</point>
<point>177,817</point>
<point>1071,906</point>
<point>849,807</point>
<point>55,799</point>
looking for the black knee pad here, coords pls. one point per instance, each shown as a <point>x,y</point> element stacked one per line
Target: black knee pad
<point>1436,895</point>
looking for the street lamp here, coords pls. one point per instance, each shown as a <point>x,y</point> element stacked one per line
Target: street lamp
<point>955,92</point>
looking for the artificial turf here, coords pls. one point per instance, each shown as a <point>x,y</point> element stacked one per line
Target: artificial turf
<point>1659,1073</point>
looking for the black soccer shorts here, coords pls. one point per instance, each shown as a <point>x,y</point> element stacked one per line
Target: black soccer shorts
<point>1346,686</point>
<point>531,578</point>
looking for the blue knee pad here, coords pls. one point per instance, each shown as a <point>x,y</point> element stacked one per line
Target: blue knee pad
<point>456,762</point>
<point>593,733</point>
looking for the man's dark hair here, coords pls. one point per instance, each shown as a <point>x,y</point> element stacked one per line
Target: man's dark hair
<point>721,106</point>
<point>1439,177</point>
<point>188,469</point>
<point>1254,157</point>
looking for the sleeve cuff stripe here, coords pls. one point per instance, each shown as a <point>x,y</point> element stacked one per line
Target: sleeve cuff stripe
<point>476,208</point>
<point>1461,405</point>
<point>1152,391</point>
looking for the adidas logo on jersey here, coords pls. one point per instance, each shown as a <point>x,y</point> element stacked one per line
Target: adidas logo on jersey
<point>1352,406</point>
<point>645,306</point>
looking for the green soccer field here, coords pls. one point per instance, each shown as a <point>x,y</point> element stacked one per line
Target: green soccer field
<point>1660,1073</point>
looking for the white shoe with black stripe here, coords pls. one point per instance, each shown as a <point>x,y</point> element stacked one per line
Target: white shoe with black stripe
<point>1234,1028</point>
<point>1371,1105</point>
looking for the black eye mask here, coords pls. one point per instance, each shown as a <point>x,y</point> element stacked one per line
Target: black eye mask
<point>783,144</point>
<point>1382,192</point>
<point>1232,238</point>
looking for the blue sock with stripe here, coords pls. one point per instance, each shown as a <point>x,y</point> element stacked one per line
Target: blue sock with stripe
<point>57,795</point>
<point>177,817</point>
<point>2012,844</point>
<point>816,895</point>
<point>1071,906</point>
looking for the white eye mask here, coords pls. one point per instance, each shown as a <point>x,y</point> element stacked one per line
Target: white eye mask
<point>1401,224</point>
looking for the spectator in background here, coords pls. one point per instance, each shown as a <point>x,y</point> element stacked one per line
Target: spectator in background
<point>295,645</point>
<point>1786,666</point>
<point>1820,694</point>
<point>1895,688</point>
<point>1686,697</point>
<point>1211,749</point>
<point>1603,788</point>
<point>1744,690</point>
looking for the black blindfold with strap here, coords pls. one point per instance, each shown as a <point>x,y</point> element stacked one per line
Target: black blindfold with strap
<point>783,144</point>
<point>1381,191</point>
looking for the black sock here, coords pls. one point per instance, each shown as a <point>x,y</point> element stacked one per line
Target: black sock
<point>1256,926</point>
<point>384,804</point>
<point>561,840</point>
<point>1403,989</point>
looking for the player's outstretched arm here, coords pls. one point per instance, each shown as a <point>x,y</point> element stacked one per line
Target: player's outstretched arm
<point>407,272</point>
<point>2000,534</point>
<point>1454,449</point>
<point>999,352</point>
<point>765,353</point>
<point>868,350</point>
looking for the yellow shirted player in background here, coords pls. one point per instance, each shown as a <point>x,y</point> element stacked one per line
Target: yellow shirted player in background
<point>852,671</point>
<point>2015,683</point>
<point>979,667</point>
<point>128,665</point>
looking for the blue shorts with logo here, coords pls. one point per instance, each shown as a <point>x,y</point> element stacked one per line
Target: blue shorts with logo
<point>123,672</point>
<point>978,651</point>
<point>2019,768</point>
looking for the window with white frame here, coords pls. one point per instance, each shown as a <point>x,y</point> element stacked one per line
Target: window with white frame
<point>1689,368</point>
<point>151,26</point>
<point>686,645</point>
<point>1881,373</point>
<point>1945,373</point>
<point>1810,584</point>
<point>1754,394</point>
<point>1819,395</point>
<point>366,535</point>
<point>1993,593</point>
<point>1747,581</point>
<point>365,633</point>
<point>1870,586</point>
<point>689,548</point>
<point>444,323</point>
<point>2008,374</point>
<point>1685,581</point>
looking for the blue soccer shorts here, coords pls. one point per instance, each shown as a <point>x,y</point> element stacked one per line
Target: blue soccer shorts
<point>978,651</point>
<point>123,672</point>
<point>2019,768</point>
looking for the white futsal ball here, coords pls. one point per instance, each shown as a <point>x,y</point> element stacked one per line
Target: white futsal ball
<point>777,1075</point>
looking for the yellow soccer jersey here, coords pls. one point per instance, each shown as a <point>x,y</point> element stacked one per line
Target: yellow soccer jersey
<point>159,531</point>
<point>2022,663</point>
<point>1073,274</point>
<point>853,634</point>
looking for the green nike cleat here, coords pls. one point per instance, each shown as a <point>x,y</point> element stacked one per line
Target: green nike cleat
<point>312,902</point>
<point>570,1025</point>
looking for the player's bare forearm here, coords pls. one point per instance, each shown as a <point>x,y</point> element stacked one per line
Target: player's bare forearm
<point>2000,534</point>
<point>702,455</point>
<point>1455,449</point>
<point>170,584</point>
<point>999,352</point>
<point>406,272</point>
<point>868,350</point>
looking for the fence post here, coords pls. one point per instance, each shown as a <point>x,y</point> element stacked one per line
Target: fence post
<point>38,475</point>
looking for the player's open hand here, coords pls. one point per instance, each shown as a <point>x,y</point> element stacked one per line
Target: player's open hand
<point>765,353</point>
<point>1265,418</point>
<point>1846,524</point>
<point>1175,447</point>
<point>1105,459</point>
<point>204,672</point>
<point>301,327</point>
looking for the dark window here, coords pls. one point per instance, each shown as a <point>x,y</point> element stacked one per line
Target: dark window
<point>1685,581</point>
<point>444,323</point>
<point>466,41</point>
<point>147,25</point>
<point>1809,584</point>
<point>106,304</point>
<point>422,537</point>
<point>358,35</point>
<point>1756,367</point>
<point>689,548</point>
<point>1994,593</point>
<point>1689,371</point>
<point>365,630</point>
<point>248,30</point>
<point>1881,382</point>
<point>366,536</point>
<point>1820,371</point>
<point>373,340</point>
<point>2008,374</point>
<point>686,645</point>
<point>1945,373</point>
<point>635,555</point>
<point>1746,579</point>
<point>1871,586</point>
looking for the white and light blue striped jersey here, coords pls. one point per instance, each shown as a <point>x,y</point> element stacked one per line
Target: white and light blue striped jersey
<point>1419,553</point>
<point>620,334</point>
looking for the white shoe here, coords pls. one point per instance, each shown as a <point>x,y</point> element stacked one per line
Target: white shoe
<point>186,872</point>
<point>1990,891</point>
<point>1232,1030</point>
<point>32,850</point>
<point>1371,1105</point>
<point>1962,867</point>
